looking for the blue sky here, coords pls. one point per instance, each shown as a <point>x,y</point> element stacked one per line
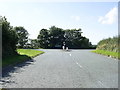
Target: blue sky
<point>97,20</point>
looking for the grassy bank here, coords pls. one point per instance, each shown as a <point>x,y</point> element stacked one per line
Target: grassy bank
<point>29,52</point>
<point>23,55</point>
<point>108,53</point>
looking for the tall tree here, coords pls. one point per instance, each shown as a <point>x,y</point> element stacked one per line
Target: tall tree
<point>56,37</point>
<point>9,38</point>
<point>34,43</point>
<point>43,38</point>
<point>73,38</point>
<point>22,35</point>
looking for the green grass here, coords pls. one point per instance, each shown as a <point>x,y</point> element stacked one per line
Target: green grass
<point>108,53</point>
<point>29,52</point>
<point>11,60</point>
<point>24,54</point>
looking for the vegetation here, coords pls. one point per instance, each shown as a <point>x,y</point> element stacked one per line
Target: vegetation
<point>14,59</point>
<point>9,39</point>
<point>108,53</point>
<point>74,39</point>
<point>109,47</point>
<point>33,44</point>
<point>57,37</point>
<point>24,54</point>
<point>22,36</point>
<point>29,52</point>
<point>109,44</point>
<point>13,38</point>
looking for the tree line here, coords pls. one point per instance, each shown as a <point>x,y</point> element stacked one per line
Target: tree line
<point>54,37</point>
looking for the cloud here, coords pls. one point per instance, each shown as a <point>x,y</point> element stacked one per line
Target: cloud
<point>110,17</point>
<point>76,18</point>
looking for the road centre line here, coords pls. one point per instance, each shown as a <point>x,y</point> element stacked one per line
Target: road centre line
<point>78,64</point>
<point>101,84</point>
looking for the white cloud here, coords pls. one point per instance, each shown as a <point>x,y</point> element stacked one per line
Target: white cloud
<point>76,18</point>
<point>110,17</point>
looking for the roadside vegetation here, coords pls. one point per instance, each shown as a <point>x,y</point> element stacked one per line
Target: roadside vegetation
<point>14,59</point>
<point>29,52</point>
<point>23,55</point>
<point>109,47</point>
<point>55,37</point>
<point>14,41</point>
<point>108,53</point>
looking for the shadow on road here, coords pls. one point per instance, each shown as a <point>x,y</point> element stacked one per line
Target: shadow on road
<point>11,69</point>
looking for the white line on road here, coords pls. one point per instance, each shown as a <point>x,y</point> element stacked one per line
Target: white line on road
<point>78,64</point>
<point>102,84</point>
<point>70,54</point>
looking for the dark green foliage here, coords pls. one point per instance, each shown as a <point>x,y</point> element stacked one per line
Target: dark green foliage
<point>109,44</point>
<point>43,38</point>
<point>22,36</point>
<point>15,59</point>
<point>56,37</point>
<point>51,38</point>
<point>9,39</point>
<point>74,39</point>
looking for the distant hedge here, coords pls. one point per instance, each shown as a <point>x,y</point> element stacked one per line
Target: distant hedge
<point>110,44</point>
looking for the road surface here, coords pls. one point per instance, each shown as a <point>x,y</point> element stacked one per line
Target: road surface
<point>62,69</point>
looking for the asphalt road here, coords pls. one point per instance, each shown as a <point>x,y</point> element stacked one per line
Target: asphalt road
<point>61,69</point>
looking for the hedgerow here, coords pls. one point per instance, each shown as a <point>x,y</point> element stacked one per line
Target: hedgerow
<point>110,44</point>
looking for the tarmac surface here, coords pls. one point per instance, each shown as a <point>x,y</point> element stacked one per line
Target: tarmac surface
<point>63,69</point>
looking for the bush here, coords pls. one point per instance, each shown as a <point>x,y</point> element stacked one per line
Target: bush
<point>109,44</point>
<point>9,39</point>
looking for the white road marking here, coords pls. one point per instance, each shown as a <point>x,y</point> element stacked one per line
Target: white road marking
<point>70,54</point>
<point>78,64</point>
<point>101,83</point>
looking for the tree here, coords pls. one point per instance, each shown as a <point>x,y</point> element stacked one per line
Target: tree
<point>9,39</point>
<point>85,43</point>
<point>43,38</point>
<point>56,37</point>
<point>73,38</point>
<point>34,43</point>
<point>22,35</point>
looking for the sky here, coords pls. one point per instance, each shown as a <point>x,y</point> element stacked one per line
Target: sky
<point>98,20</point>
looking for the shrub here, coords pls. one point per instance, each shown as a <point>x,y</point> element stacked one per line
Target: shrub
<point>109,44</point>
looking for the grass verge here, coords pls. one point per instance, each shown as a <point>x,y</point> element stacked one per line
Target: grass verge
<point>29,52</point>
<point>23,55</point>
<point>108,53</point>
